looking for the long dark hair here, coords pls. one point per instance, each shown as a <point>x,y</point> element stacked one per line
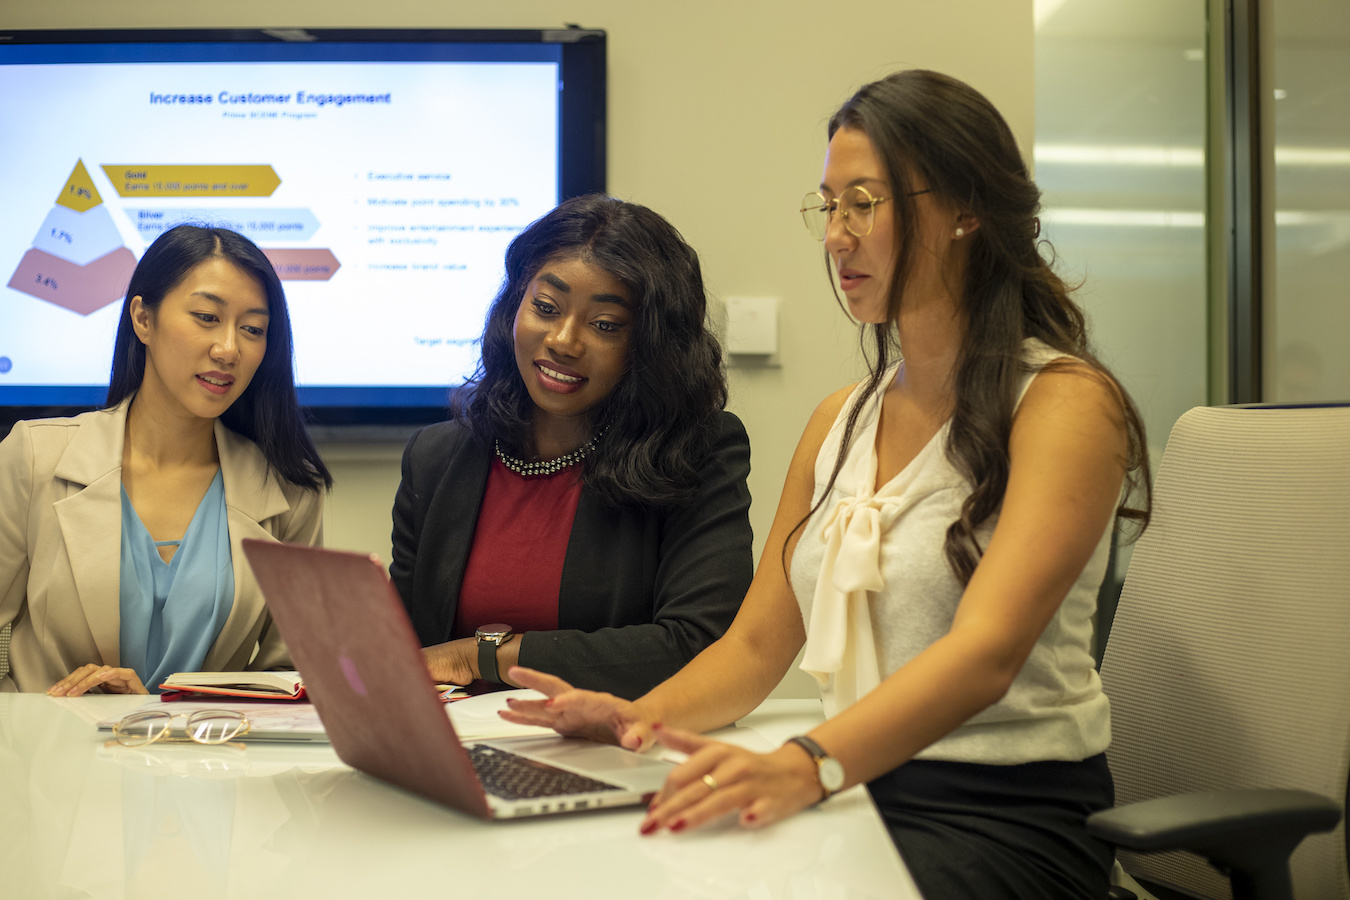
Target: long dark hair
<point>267,413</point>
<point>942,132</point>
<point>658,425</point>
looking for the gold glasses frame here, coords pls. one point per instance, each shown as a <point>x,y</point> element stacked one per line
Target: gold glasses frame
<point>146,727</point>
<point>817,211</point>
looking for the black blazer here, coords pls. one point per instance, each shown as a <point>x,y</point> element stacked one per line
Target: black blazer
<point>642,592</point>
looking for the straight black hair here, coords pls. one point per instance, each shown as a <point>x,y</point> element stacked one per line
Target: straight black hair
<point>659,419</point>
<point>267,413</point>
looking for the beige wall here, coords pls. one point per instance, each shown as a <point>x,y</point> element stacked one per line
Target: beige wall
<point>717,115</point>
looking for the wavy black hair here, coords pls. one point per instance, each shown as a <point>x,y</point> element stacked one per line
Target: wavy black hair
<point>933,131</point>
<point>659,420</point>
<point>267,412</point>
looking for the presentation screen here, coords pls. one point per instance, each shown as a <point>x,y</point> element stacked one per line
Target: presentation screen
<point>383,174</point>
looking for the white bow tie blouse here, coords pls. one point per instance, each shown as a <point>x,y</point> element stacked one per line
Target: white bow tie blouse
<point>875,590</point>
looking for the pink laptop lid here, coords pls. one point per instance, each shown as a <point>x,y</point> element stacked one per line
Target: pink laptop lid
<point>353,645</point>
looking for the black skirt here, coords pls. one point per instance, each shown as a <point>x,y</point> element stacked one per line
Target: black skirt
<point>980,831</point>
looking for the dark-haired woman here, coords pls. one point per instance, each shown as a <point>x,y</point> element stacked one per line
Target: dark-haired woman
<point>941,536</point>
<point>119,529</point>
<point>587,502</point>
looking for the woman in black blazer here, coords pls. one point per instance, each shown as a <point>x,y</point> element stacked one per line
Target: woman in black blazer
<point>589,482</point>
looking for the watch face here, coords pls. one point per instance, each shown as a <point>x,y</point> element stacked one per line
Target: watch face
<point>494,632</point>
<point>831,774</point>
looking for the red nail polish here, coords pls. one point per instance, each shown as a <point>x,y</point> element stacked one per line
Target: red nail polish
<point>678,825</point>
<point>548,702</point>
<point>648,828</point>
<point>751,817</point>
<point>656,726</point>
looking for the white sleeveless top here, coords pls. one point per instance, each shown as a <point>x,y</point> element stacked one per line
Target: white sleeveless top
<point>875,590</point>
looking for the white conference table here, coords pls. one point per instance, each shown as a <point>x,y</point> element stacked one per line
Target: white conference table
<point>81,820</point>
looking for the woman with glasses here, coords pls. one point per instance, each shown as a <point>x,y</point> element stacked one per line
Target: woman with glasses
<point>941,537</point>
<point>120,561</point>
<point>585,511</point>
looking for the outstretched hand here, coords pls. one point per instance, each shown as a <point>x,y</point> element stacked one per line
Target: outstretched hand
<point>110,679</point>
<point>718,779</point>
<point>576,713</point>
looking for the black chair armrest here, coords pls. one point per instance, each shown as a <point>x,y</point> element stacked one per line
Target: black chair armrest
<point>1202,820</point>
<point>1248,834</point>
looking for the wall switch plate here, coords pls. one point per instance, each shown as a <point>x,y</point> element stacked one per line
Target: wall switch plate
<point>752,326</point>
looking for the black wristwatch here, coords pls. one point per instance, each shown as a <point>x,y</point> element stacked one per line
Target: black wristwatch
<point>829,771</point>
<point>490,637</point>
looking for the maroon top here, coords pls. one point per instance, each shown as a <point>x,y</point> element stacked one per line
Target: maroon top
<point>519,544</point>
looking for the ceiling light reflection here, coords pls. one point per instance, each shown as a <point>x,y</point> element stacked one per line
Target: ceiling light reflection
<point>1166,218</point>
<point>1179,157</point>
<point>1134,218</point>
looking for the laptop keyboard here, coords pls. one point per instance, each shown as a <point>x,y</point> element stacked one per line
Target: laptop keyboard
<point>514,777</point>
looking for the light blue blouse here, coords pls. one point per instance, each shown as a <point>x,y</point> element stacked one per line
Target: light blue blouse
<point>173,611</point>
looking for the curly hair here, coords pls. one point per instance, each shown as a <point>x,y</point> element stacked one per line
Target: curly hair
<point>659,419</point>
<point>929,126</point>
<point>267,413</point>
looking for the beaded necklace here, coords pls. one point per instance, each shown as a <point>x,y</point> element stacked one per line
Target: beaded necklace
<point>545,466</point>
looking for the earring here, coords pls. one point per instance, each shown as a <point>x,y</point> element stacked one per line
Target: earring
<point>960,232</point>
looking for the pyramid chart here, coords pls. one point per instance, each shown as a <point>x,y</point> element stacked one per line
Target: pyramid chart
<point>78,261</point>
<point>258,224</point>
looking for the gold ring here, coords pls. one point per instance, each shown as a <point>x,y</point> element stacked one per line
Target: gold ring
<point>710,781</point>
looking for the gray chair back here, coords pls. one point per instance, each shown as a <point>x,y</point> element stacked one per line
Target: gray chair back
<point>1228,663</point>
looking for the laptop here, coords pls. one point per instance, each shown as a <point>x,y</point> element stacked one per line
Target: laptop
<point>362,665</point>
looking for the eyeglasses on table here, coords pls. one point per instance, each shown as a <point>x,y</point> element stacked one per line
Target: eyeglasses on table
<point>213,727</point>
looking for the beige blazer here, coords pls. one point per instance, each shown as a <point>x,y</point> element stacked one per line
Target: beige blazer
<point>61,544</point>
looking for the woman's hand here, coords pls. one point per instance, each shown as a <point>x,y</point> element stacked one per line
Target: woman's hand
<point>574,713</point>
<point>454,662</point>
<point>87,678</point>
<point>719,778</point>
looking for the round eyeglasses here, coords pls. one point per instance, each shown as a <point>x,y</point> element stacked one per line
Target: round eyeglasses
<point>856,207</point>
<point>205,726</point>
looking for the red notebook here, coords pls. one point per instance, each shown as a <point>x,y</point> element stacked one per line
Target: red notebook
<point>278,686</point>
<point>257,685</point>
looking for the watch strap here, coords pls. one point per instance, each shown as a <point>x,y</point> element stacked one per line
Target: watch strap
<point>818,755</point>
<point>487,659</point>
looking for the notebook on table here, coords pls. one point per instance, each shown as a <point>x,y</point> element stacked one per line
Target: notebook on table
<point>362,665</point>
<point>256,685</point>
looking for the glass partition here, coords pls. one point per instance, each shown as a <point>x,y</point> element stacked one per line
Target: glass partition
<point>1307,303</point>
<point>1120,158</point>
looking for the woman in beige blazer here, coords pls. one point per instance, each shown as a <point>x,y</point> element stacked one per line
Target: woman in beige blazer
<point>201,405</point>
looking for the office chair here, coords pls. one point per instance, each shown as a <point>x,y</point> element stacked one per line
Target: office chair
<point>1228,662</point>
